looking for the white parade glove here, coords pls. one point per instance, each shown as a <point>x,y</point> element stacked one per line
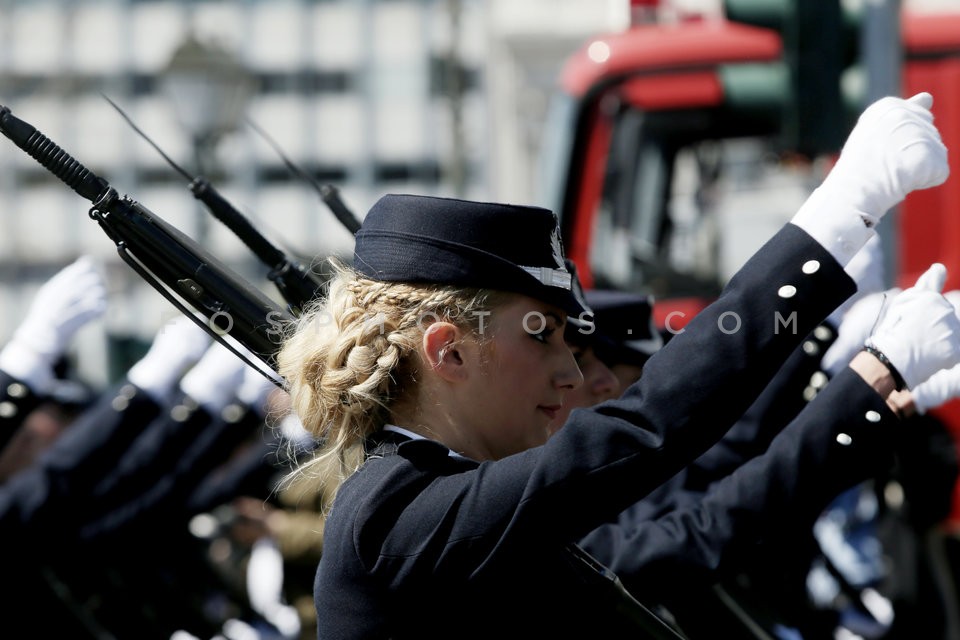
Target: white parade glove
<point>936,390</point>
<point>265,587</point>
<point>255,390</point>
<point>944,385</point>
<point>62,305</point>
<point>866,269</point>
<point>893,149</point>
<point>178,345</point>
<point>954,297</point>
<point>919,332</point>
<point>855,327</point>
<point>214,380</point>
<point>292,429</point>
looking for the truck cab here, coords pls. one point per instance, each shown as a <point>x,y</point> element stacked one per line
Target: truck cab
<point>668,159</point>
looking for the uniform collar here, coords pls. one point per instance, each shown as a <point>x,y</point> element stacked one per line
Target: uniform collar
<point>410,435</point>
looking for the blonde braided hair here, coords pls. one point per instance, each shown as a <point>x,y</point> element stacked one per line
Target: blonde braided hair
<point>351,354</point>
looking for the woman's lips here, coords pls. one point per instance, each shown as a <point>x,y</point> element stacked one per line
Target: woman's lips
<point>550,410</point>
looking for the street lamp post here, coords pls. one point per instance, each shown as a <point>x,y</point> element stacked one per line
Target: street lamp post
<point>208,89</point>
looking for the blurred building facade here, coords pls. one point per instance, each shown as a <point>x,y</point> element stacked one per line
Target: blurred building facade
<point>372,96</point>
<point>444,97</point>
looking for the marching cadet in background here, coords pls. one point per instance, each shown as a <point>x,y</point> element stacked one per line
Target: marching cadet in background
<point>622,333</point>
<point>43,506</point>
<point>622,317</point>
<point>217,405</point>
<point>441,354</point>
<point>626,333</point>
<point>73,297</point>
<point>884,542</point>
<point>585,342</point>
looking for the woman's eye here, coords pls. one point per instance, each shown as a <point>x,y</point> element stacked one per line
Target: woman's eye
<point>544,335</point>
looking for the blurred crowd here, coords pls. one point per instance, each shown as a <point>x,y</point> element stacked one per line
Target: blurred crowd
<point>161,506</point>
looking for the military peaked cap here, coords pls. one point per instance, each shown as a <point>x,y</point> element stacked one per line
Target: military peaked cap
<point>427,239</point>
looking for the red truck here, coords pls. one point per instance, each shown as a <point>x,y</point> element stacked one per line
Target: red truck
<point>655,126</point>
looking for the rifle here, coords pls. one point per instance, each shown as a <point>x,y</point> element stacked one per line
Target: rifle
<point>171,262</point>
<point>296,283</point>
<point>328,193</point>
<point>637,617</point>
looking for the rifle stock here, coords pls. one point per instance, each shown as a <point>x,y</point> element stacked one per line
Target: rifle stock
<point>170,261</point>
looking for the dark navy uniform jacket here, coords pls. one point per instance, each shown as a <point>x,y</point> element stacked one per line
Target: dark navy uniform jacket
<point>16,401</point>
<point>781,400</point>
<point>38,501</point>
<point>422,544</point>
<point>123,471</point>
<point>155,477</point>
<point>702,538</point>
<point>42,505</point>
<point>836,442</point>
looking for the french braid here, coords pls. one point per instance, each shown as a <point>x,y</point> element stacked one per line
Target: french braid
<point>354,352</point>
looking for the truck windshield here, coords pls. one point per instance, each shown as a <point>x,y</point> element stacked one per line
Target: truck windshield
<point>680,208</point>
<point>557,151</point>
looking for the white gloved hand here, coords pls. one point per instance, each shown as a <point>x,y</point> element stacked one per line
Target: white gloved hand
<point>936,390</point>
<point>866,269</point>
<point>255,390</point>
<point>178,345</point>
<point>265,587</point>
<point>855,327</point>
<point>62,305</point>
<point>944,385</point>
<point>919,332</point>
<point>954,297</point>
<point>214,380</point>
<point>893,149</point>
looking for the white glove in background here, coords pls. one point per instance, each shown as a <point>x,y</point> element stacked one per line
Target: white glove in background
<point>856,326</point>
<point>936,390</point>
<point>919,331</point>
<point>62,305</point>
<point>255,390</point>
<point>214,380</point>
<point>944,385</point>
<point>265,587</point>
<point>893,149</point>
<point>178,345</point>
<point>866,269</point>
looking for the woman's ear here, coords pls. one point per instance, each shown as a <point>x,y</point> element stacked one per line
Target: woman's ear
<point>442,350</point>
